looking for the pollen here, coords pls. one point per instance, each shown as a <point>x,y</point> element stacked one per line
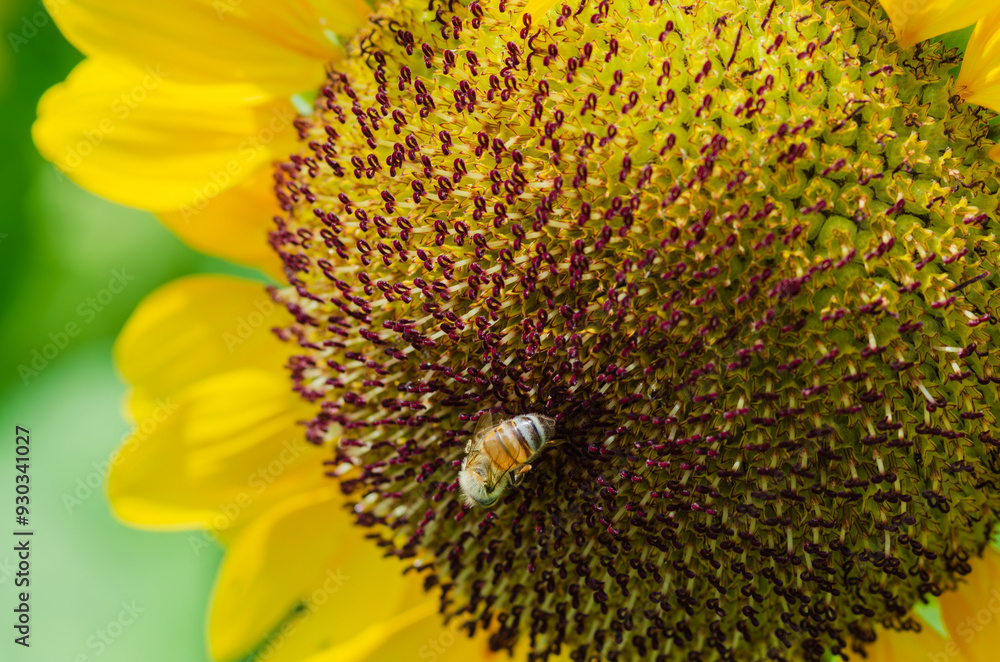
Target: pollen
<point>741,252</point>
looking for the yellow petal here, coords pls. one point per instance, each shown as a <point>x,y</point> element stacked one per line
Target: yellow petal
<point>972,612</point>
<point>914,21</point>
<point>539,8</point>
<point>893,646</point>
<point>281,47</point>
<point>196,327</point>
<point>979,81</point>
<point>216,454</point>
<point>304,552</point>
<point>383,617</point>
<point>234,225</point>
<point>418,633</point>
<point>143,139</point>
<point>378,637</point>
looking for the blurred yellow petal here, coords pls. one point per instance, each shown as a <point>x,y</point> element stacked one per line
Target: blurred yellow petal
<point>279,47</point>
<point>216,454</point>
<point>539,8</point>
<point>233,225</point>
<point>972,612</point>
<point>306,552</point>
<point>141,138</point>
<point>196,327</point>
<point>894,646</point>
<point>914,21</point>
<point>979,81</point>
<point>418,633</point>
<point>382,617</point>
<point>376,638</point>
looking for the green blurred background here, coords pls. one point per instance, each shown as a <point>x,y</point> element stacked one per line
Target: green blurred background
<point>59,246</point>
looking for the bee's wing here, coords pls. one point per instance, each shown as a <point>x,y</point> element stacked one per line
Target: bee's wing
<point>483,425</point>
<point>471,457</point>
<point>487,422</point>
<point>494,475</point>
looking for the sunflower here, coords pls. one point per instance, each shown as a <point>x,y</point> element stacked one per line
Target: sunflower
<point>741,252</point>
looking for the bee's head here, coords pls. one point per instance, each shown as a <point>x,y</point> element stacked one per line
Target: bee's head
<point>475,489</point>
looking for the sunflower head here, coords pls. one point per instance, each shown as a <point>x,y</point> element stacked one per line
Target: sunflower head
<point>739,251</point>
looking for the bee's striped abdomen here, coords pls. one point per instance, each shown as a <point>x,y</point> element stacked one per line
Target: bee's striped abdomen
<point>503,446</point>
<point>515,440</point>
<point>529,432</point>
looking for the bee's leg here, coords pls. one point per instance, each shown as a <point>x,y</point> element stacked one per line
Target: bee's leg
<point>519,474</point>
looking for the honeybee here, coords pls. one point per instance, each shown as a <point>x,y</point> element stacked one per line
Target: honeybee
<point>499,454</point>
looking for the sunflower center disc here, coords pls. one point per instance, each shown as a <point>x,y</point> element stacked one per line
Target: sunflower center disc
<point>739,250</point>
